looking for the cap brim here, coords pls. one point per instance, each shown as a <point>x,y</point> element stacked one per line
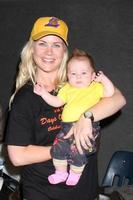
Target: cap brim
<point>43,34</point>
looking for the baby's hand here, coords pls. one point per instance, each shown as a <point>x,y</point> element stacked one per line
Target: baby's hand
<point>38,89</point>
<point>99,76</point>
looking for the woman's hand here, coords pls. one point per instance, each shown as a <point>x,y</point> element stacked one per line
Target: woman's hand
<point>82,131</point>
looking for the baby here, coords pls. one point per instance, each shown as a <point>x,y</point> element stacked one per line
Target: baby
<point>83,90</point>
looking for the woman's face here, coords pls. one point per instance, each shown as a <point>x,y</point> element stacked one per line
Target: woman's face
<point>48,53</point>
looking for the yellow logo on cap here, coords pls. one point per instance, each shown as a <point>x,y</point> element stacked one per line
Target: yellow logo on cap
<point>53,22</point>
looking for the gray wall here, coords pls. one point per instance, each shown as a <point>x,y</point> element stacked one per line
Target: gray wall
<point>103,28</point>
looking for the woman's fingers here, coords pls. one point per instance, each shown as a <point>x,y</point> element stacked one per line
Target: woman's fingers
<point>82,133</point>
<point>87,142</point>
<point>82,142</point>
<point>78,145</point>
<point>69,134</point>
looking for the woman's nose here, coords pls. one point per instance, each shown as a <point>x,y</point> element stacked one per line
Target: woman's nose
<point>49,50</point>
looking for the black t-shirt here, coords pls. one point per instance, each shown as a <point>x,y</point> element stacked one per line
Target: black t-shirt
<point>33,122</point>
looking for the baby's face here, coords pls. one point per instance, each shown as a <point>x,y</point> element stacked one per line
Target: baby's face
<point>80,72</point>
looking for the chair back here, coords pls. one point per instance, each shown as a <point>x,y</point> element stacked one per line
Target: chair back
<point>119,170</point>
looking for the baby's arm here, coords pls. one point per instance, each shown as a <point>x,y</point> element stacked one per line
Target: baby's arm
<point>107,84</point>
<point>49,98</point>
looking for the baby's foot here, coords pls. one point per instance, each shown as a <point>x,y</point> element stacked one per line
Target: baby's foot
<point>73,178</point>
<point>58,177</point>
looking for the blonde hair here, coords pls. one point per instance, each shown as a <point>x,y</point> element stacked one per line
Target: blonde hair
<point>27,69</point>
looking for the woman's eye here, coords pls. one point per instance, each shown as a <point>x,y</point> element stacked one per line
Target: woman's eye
<point>42,44</point>
<point>56,45</point>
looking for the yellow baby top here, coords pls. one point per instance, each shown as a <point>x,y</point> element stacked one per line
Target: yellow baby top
<point>79,100</point>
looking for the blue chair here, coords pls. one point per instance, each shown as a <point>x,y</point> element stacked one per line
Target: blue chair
<point>120,168</point>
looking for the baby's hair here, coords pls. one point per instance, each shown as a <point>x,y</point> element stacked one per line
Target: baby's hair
<point>80,54</point>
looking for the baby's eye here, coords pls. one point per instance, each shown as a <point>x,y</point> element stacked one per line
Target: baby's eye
<point>84,73</point>
<point>73,73</point>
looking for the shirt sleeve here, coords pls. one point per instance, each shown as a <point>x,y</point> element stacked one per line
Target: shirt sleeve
<point>100,89</point>
<point>20,123</point>
<point>62,94</point>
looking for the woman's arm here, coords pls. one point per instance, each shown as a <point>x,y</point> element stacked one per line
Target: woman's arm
<point>25,155</point>
<point>82,130</point>
<point>108,106</point>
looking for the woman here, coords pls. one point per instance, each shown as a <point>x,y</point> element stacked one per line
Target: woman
<point>33,124</point>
